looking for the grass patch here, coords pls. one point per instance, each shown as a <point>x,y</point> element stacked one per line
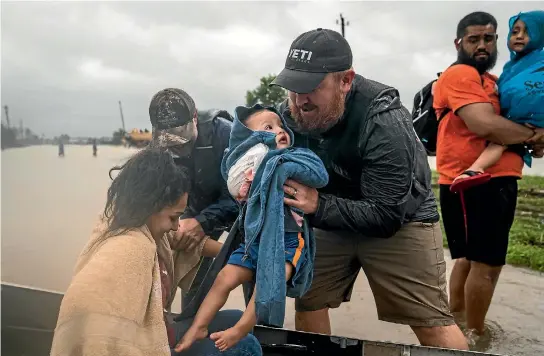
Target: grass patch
<point>526,246</point>
<point>531,182</point>
<point>527,256</point>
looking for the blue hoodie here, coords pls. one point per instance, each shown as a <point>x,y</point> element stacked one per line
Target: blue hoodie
<point>521,84</point>
<point>264,216</point>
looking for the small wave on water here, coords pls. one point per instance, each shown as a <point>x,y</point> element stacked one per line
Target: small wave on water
<point>496,340</point>
<point>492,336</point>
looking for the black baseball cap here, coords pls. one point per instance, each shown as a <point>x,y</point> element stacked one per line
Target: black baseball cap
<point>311,57</point>
<point>171,112</point>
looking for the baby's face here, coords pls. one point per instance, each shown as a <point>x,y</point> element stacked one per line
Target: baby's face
<point>270,122</point>
<point>519,37</point>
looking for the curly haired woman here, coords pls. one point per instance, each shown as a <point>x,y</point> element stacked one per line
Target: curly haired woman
<point>126,277</point>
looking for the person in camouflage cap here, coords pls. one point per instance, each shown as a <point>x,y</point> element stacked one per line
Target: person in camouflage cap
<point>173,116</point>
<point>197,141</point>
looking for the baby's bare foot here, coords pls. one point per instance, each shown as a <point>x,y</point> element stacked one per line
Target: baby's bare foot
<point>224,340</point>
<point>192,335</point>
<point>462,176</point>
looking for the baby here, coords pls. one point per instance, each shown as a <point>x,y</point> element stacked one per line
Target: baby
<point>242,264</point>
<point>520,103</point>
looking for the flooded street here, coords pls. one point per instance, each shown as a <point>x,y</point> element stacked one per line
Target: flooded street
<point>50,204</point>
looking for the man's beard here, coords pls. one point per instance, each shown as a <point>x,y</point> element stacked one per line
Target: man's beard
<point>481,66</point>
<point>324,119</point>
<point>175,139</point>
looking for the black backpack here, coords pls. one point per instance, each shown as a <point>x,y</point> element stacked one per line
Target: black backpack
<point>424,117</point>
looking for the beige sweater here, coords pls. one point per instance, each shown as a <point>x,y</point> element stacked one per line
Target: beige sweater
<point>114,304</point>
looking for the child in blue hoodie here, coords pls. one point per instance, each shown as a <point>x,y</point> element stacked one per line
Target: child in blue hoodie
<point>278,247</point>
<point>521,85</point>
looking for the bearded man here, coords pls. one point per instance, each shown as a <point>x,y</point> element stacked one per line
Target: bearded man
<point>378,211</point>
<point>478,241</point>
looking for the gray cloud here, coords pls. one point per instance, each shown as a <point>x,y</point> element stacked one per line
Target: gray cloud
<point>66,64</point>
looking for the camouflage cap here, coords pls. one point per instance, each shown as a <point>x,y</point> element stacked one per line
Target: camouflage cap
<point>171,112</point>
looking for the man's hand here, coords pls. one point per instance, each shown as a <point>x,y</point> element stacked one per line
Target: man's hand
<point>188,236</point>
<point>538,137</point>
<point>304,197</point>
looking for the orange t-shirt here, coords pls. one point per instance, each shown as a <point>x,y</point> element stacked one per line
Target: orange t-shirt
<point>457,147</point>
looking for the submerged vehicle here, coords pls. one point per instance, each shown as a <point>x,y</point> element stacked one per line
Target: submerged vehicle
<point>29,317</point>
<point>137,138</point>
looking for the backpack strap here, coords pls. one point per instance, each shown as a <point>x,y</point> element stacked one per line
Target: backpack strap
<point>443,114</point>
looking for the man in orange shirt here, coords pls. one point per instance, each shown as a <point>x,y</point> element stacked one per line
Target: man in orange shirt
<point>469,95</point>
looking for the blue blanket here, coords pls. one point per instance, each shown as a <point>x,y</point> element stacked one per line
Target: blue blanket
<point>264,215</point>
<point>521,84</point>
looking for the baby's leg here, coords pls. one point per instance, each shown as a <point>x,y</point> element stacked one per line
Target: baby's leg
<point>289,269</point>
<point>230,277</point>
<point>488,158</point>
<point>230,337</point>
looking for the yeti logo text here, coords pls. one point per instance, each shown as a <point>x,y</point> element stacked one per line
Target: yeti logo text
<point>300,55</point>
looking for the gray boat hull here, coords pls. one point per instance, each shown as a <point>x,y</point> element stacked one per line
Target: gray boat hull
<point>29,317</point>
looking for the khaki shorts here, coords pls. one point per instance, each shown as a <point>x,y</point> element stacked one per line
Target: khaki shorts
<point>407,274</point>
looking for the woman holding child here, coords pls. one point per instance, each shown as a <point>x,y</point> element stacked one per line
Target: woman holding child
<point>127,275</point>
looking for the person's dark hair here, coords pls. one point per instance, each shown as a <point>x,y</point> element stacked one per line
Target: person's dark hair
<point>147,183</point>
<point>478,18</point>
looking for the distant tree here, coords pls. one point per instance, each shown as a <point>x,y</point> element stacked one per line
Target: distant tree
<point>9,136</point>
<point>266,94</point>
<point>64,138</point>
<point>118,137</point>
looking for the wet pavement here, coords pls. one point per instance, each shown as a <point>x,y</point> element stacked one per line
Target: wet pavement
<point>50,204</point>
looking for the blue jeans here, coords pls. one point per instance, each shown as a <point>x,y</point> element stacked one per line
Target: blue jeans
<point>224,319</point>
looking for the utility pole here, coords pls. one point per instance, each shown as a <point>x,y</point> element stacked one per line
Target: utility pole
<point>122,117</point>
<point>7,115</point>
<point>343,25</point>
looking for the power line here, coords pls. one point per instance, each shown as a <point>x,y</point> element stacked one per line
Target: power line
<point>343,25</point>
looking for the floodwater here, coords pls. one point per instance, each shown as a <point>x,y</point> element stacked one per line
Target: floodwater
<point>50,204</point>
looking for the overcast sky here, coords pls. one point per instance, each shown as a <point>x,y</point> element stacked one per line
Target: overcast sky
<point>65,65</point>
